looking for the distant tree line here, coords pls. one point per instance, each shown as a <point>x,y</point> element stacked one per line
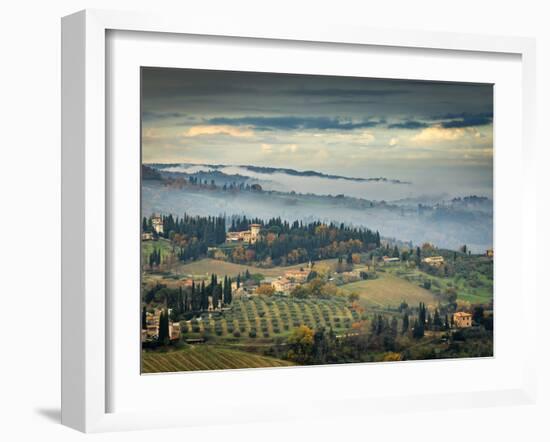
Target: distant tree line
<point>283,242</point>
<point>280,242</point>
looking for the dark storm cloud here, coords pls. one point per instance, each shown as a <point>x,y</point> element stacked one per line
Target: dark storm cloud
<point>467,120</point>
<point>408,124</point>
<point>348,92</point>
<point>270,101</point>
<point>447,121</point>
<point>153,116</point>
<point>294,123</point>
<point>450,116</point>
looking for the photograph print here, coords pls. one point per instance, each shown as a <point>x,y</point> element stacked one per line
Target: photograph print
<point>291,220</point>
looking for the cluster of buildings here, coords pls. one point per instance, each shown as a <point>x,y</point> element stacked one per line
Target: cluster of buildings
<point>462,319</point>
<point>158,228</point>
<point>249,236</point>
<point>151,332</point>
<point>291,279</point>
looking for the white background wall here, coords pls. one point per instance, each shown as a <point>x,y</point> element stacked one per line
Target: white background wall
<point>30,183</point>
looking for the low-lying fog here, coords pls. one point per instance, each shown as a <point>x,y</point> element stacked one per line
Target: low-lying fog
<point>450,225</point>
<point>454,182</point>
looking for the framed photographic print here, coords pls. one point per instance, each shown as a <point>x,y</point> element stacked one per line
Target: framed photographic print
<point>257,213</point>
<point>306,220</point>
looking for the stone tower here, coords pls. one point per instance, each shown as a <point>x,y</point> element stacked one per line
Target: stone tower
<point>156,221</point>
<point>254,232</point>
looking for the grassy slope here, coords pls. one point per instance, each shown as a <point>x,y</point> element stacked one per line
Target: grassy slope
<point>148,246</point>
<point>389,290</point>
<point>204,266</point>
<point>482,294</point>
<point>205,357</point>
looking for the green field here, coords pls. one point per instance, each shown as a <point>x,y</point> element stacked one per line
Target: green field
<point>205,357</point>
<point>389,290</point>
<point>147,248</point>
<point>482,294</point>
<point>208,266</point>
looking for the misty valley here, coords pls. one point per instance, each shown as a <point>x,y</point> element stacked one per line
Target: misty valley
<point>205,190</point>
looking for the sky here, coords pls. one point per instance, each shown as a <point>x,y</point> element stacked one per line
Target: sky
<point>421,131</point>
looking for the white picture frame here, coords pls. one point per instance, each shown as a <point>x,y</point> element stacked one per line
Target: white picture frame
<point>85,201</point>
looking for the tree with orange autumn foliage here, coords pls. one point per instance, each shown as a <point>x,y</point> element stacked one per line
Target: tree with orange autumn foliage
<point>300,342</point>
<point>266,290</point>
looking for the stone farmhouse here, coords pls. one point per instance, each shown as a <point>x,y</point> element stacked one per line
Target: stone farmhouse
<point>249,236</point>
<point>462,319</point>
<point>297,275</point>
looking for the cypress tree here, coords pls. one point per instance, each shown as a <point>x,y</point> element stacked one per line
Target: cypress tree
<point>422,313</point>
<point>164,328</point>
<point>437,320</point>
<point>212,283</point>
<point>395,253</point>
<point>405,328</point>
<point>161,328</point>
<point>225,284</point>
<point>204,297</point>
<point>180,308</point>
<point>229,292</point>
<point>143,318</point>
<point>394,326</point>
<point>215,296</point>
<point>418,329</point>
<point>166,325</point>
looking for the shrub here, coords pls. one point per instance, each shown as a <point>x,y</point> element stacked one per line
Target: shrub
<point>237,333</point>
<point>252,333</point>
<point>266,334</point>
